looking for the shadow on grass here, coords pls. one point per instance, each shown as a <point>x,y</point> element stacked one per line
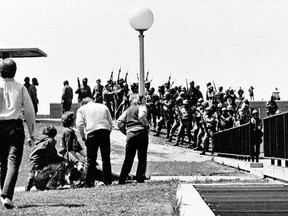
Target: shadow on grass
<point>51,205</point>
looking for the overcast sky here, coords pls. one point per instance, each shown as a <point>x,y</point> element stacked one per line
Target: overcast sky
<point>235,43</point>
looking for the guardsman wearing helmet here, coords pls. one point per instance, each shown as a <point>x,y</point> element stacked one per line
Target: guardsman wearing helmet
<point>226,120</point>
<point>209,123</point>
<point>199,129</point>
<point>166,114</point>
<point>256,134</point>
<point>176,123</point>
<point>152,99</point>
<point>244,113</point>
<point>185,115</point>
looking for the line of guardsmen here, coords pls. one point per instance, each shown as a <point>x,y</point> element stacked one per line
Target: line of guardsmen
<point>182,111</point>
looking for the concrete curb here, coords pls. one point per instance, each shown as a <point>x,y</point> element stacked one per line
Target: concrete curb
<point>191,203</point>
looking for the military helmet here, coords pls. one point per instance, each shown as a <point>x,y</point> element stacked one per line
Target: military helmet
<point>229,107</point>
<point>200,100</point>
<point>182,94</point>
<point>208,109</point>
<point>205,104</point>
<point>179,99</point>
<point>255,112</point>
<point>167,95</point>
<point>185,102</point>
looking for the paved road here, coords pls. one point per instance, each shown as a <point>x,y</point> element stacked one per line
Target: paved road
<point>245,199</point>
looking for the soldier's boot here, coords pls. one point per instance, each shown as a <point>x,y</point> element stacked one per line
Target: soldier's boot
<point>169,139</point>
<point>30,184</point>
<point>168,134</point>
<point>177,142</point>
<point>205,148</point>
<point>189,143</point>
<point>182,140</point>
<point>156,134</point>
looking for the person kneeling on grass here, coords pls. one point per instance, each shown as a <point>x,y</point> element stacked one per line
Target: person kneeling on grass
<point>71,149</point>
<point>47,168</point>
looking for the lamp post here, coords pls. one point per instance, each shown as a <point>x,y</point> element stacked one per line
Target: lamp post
<point>141,19</point>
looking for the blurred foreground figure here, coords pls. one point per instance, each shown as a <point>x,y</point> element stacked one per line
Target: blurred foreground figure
<point>14,102</point>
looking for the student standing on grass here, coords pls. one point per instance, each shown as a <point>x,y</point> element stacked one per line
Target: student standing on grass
<point>94,123</point>
<point>14,103</point>
<point>33,94</point>
<point>134,124</point>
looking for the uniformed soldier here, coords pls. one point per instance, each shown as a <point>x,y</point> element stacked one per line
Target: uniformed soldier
<point>108,97</point>
<point>83,90</point>
<point>209,123</point>
<point>98,92</point>
<point>256,134</point>
<point>152,98</point>
<point>177,119</point>
<point>185,115</point>
<point>166,115</point>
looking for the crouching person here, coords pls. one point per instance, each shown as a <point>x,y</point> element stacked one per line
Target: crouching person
<point>73,152</point>
<point>47,168</point>
<point>70,147</point>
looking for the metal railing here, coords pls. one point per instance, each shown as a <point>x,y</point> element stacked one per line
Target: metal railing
<point>234,141</point>
<point>276,136</point>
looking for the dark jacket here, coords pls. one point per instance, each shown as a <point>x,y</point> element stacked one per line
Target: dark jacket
<point>44,153</point>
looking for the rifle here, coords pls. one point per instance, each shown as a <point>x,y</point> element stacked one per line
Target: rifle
<point>147,76</point>
<point>214,85</point>
<point>78,91</point>
<point>172,83</point>
<point>126,76</point>
<point>169,78</point>
<point>111,78</point>
<point>118,78</point>
<point>78,81</point>
<point>238,107</point>
<point>137,76</point>
<point>187,84</point>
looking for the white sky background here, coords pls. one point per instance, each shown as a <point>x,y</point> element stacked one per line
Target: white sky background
<point>235,43</point>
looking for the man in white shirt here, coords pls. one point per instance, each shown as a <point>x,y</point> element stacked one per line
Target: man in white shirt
<point>94,123</point>
<point>14,103</point>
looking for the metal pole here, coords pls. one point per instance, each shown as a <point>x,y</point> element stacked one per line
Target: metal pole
<point>141,74</point>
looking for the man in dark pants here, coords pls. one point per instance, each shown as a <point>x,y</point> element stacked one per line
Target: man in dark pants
<point>67,96</point>
<point>256,134</point>
<point>94,119</point>
<point>14,103</point>
<point>133,123</point>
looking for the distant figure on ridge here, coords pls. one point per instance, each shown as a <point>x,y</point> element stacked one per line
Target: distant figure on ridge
<point>251,93</point>
<point>67,96</point>
<point>33,94</point>
<point>27,83</point>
